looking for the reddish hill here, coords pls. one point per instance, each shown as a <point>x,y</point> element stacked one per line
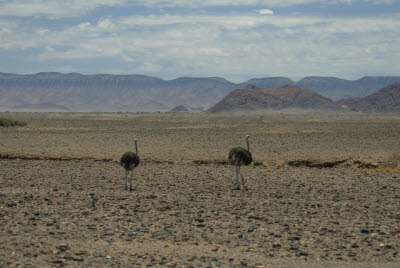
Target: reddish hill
<point>252,98</point>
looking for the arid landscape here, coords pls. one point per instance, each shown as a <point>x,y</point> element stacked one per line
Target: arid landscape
<point>323,191</point>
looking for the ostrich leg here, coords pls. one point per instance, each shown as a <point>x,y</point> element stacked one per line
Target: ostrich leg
<point>243,182</point>
<point>131,179</point>
<point>237,178</point>
<point>126,179</point>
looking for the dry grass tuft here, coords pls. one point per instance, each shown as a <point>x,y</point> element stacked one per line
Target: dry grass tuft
<point>392,164</point>
<point>279,165</point>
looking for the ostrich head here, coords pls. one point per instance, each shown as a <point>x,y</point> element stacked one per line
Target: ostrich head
<point>248,143</point>
<point>136,147</point>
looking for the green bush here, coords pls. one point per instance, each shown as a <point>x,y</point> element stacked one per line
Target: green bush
<point>4,122</point>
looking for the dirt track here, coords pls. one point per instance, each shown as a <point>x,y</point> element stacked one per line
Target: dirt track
<point>76,213</point>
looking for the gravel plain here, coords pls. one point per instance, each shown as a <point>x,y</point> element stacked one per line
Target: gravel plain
<point>63,203</point>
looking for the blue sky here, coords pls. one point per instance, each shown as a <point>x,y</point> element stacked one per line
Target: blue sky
<point>234,39</point>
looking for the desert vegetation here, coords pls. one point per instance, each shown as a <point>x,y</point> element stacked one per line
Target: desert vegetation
<point>5,122</point>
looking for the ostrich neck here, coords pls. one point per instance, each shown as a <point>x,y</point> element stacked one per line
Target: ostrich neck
<point>248,145</point>
<point>137,153</point>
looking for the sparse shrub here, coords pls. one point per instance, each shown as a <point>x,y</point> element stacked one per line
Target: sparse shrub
<point>392,164</point>
<point>394,161</point>
<point>264,164</point>
<point>4,122</point>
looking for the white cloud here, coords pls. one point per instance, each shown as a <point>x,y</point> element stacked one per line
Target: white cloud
<point>265,12</point>
<point>233,45</point>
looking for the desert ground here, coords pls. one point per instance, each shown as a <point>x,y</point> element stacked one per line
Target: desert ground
<point>323,191</point>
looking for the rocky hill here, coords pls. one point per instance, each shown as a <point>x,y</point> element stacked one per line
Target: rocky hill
<point>255,99</point>
<point>103,92</point>
<point>268,82</point>
<point>184,109</point>
<point>386,100</point>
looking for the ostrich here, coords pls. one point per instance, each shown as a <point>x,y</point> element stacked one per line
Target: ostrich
<point>239,156</point>
<point>130,161</point>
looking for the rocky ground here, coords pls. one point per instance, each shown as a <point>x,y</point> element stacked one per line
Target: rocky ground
<point>60,208</point>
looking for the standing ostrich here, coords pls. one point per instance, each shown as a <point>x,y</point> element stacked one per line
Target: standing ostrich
<point>130,161</point>
<point>239,156</point>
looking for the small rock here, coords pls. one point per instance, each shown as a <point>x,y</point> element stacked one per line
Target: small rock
<point>63,247</point>
<point>251,229</point>
<point>293,246</point>
<point>189,211</point>
<point>199,219</point>
<point>364,231</point>
<point>108,257</point>
<point>215,248</point>
<point>276,245</point>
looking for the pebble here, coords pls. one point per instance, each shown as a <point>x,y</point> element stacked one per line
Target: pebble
<point>63,247</point>
<point>276,245</point>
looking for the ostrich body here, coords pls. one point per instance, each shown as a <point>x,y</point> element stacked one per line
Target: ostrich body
<point>239,156</point>
<point>130,161</point>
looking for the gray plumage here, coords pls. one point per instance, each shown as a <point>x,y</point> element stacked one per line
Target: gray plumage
<point>129,161</point>
<point>238,157</point>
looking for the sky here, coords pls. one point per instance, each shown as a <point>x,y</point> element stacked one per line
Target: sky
<point>234,39</point>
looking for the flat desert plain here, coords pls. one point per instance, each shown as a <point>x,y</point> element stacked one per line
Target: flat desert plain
<point>323,191</point>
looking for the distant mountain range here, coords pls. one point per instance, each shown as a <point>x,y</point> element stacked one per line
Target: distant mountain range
<point>42,107</point>
<point>256,99</point>
<point>386,100</point>
<point>103,92</point>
